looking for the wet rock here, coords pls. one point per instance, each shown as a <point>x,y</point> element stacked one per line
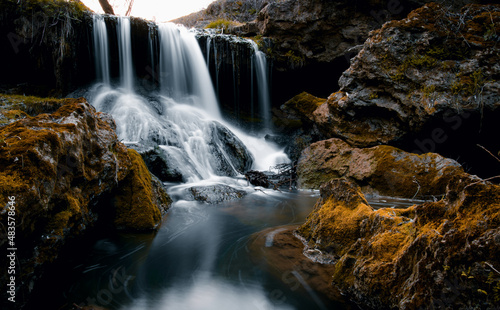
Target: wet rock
<point>45,46</point>
<point>258,178</point>
<point>158,163</point>
<point>62,168</point>
<point>383,170</point>
<point>232,153</point>
<point>214,194</point>
<point>436,255</point>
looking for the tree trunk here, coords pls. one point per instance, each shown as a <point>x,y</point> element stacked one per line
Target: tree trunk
<point>106,7</point>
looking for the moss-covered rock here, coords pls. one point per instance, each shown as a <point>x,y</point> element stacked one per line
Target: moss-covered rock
<point>59,167</point>
<point>438,255</point>
<point>140,200</point>
<point>383,169</point>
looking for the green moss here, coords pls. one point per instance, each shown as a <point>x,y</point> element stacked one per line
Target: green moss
<point>52,7</point>
<point>469,85</point>
<point>294,60</point>
<point>304,103</point>
<point>373,95</point>
<point>134,202</point>
<point>222,23</point>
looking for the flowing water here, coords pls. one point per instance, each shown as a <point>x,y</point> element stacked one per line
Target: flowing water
<point>199,259</point>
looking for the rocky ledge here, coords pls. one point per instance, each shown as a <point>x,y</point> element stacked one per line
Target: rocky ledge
<point>381,170</point>
<point>437,255</point>
<point>63,172</point>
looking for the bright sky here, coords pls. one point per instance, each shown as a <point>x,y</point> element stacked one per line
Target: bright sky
<point>160,10</point>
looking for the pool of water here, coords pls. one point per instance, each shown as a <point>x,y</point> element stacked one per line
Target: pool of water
<point>199,259</point>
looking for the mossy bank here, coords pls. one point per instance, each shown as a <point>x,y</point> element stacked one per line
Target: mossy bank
<point>63,163</point>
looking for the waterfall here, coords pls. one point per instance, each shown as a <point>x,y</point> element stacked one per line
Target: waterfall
<point>261,71</point>
<point>183,73</point>
<point>125,48</point>
<point>101,49</point>
<point>182,121</point>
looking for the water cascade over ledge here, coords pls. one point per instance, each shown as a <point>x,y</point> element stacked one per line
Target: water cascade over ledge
<point>181,120</point>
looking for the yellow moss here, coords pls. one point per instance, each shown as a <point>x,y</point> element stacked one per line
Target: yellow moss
<point>135,208</point>
<point>222,24</point>
<point>304,103</point>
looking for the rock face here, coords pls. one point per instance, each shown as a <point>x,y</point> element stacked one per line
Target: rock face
<point>439,255</point>
<point>383,169</point>
<point>44,46</point>
<point>420,82</point>
<point>61,169</point>
<point>320,31</point>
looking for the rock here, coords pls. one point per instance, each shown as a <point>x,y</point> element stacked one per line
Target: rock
<point>382,170</point>
<point>414,86</point>
<point>258,178</point>
<point>232,154</point>
<point>41,56</point>
<point>140,200</point>
<point>214,194</point>
<point>295,122</point>
<point>158,163</point>
<point>333,224</point>
<point>441,254</point>
<point>60,168</point>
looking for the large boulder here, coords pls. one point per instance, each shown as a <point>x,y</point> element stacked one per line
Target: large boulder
<point>59,170</point>
<point>383,170</point>
<point>426,83</point>
<point>438,255</point>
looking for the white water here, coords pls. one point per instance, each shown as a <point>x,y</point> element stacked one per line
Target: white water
<point>183,120</point>
<point>101,47</point>
<point>262,84</point>
<point>125,49</point>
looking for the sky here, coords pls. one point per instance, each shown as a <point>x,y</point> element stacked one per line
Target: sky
<point>159,10</point>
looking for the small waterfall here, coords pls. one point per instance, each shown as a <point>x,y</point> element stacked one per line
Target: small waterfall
<point>152,48</point>
<point>125,48</point>
<point>261,71</point>
<point>181,74</point>
<point>101,49</point>
<point>182,122</point>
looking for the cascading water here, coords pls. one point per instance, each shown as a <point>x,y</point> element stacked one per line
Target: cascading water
<point>201,258</point>
<point>183,74</point>
<point>101,47</point>
<point>125,49</point>
<point>183,120</point>
<point>262,84</point>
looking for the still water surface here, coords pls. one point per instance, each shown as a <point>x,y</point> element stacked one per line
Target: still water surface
<point>199,259</point>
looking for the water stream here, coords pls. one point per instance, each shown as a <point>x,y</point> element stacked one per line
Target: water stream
<point>200,258</point>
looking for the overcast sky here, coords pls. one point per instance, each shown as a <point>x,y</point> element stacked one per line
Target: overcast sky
<point>160,10</point>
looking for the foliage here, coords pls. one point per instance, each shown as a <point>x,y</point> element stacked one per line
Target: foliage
<point>222,23</point>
